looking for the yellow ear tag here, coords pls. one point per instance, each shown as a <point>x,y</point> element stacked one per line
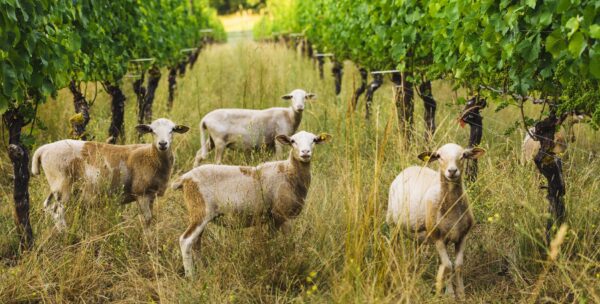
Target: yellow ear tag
<point>426,158</point>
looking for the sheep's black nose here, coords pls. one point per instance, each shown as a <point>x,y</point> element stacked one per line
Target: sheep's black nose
<point>162,144</point>
<point>452,171</point>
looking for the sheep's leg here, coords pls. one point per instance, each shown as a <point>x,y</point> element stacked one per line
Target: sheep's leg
<point>445,269</point>
<point>145,203</point>
<point>201,155</point>
<point>460,252</point>
<point>219,150</point>
<point>188,239</point>
<point>54,209</point>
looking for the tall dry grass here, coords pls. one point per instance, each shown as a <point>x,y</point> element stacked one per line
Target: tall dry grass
<point>339,250</point>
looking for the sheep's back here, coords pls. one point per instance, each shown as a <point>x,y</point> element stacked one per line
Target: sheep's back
<point>409,194</point>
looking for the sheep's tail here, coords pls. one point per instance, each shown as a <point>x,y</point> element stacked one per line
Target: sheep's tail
<point>178,183</point>
<point>36,161</point>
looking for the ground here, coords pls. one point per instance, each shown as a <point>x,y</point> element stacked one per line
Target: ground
<point>339,249</point>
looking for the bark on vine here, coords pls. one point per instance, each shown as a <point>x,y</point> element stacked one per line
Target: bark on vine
<point>321,62</point>
<point>182,66</point>
<point>80,120</point>
<point>429,104</point>
<point>337,71</point>
<point>550,166</point>
<point>404,102</point>
<point>14,120</point>
<point>373,86</point>
<point>116,131</point>
<point>153,80</point>
<point>364,74</point>
<point>172,87</point>
<point>471,115</point>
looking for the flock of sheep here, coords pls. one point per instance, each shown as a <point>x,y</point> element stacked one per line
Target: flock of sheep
<point>432,205</point>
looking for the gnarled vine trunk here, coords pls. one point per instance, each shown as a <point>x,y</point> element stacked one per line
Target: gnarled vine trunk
<point>550,166</point>
<point>309,49</point>
<point>140,93</point>
<point>321,62</point>
<point>80,120</point>
<point>361,89</point>
<point>471,115</point>
<point>116,131</point>
<point>172,87</point>
<point>429,104</point>
<point>182,66</point>
<point>153,80</point>
<point>373,86</point>
<point>337,71</point>
<point>19,156</point>
<point>404,102</point>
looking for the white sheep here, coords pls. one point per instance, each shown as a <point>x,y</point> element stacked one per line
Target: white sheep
<point>433,206</point>
<point>272,192</point>
<point>141,171</point>
<point>246,130</point>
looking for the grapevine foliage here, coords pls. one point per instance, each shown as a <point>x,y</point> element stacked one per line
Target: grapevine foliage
<point>44,44</point>
<point>548,49</point>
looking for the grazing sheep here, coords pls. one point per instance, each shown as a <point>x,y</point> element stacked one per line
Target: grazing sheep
<point>272,192</point>
<point>141,170</point>
<point>246,130</point>
<point>531,147</point>
<point>433,205</point>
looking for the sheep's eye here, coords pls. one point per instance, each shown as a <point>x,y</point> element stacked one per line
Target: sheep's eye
<point>293,141</point>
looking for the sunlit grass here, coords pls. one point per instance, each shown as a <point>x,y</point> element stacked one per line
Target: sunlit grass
<point>339,250</point>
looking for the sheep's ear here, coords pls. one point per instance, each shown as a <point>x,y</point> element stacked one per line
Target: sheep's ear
<point>323,138</point>
<point>283,139</point>
<point>473,153</point>
<point>143,129</point>
<point>310,96</point>
<point>429,156</point>
<point>287,97</point>
<point>180,129</point>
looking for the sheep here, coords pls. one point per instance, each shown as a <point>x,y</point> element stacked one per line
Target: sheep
<point>272,193</point>
<point>531,147</point>
<point>434,207</point>
<point>141,170</point>
<point>247,130</point>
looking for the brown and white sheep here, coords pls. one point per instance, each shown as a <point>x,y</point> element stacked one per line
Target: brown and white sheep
<point>433,206</point>
<point>246,130</point>
<point>141,171</point>
<point>273,192</point>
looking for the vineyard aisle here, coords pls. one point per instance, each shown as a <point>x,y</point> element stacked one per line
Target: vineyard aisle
<point>338,249</point>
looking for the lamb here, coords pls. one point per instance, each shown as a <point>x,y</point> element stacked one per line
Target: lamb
<point>434,207</point>
<point>247,130</point>
<point>271,193</point>
<point>531,147</point>
<point>141,171</point>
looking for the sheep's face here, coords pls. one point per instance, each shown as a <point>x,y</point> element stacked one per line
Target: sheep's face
<point>162,129</point>
<point>451,158</point>
<point>303,143</point>
<point>299,99</point>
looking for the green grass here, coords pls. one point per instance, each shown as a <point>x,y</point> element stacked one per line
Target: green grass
<point>339,249</point>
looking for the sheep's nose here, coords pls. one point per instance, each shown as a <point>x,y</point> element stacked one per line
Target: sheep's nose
<point>452,172</point>
<point>162,144</point>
